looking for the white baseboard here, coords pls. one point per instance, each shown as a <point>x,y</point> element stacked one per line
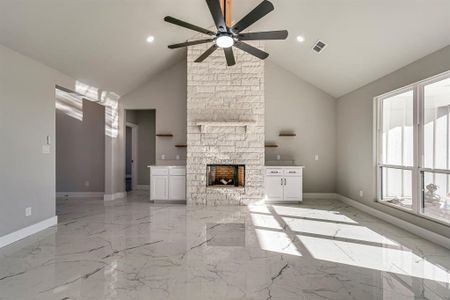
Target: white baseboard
<point>332,196</point>
<point>142,187</point>
<point>79,194</point>
<point>110,197</point>
<point>27,231</point>
<point>421,232</point>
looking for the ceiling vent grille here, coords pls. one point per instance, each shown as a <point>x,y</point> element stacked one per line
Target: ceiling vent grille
<point>319,46</point>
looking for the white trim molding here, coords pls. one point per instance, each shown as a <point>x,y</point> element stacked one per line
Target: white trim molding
<point>111,197</point>
<point>80,194</point>
<point>142,187</point>
<point>27,231</point>
<point>419,231</point>
<point>332,196</point>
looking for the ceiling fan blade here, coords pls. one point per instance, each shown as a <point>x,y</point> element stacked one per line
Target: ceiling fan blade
<point>257,13</point>
<point>206,53</point>
<point>190,43</point>
<point>267,35</point>
<point>216,12</point>
<point>229,55</point>
<point>188,25</point>
<point>251,50</point>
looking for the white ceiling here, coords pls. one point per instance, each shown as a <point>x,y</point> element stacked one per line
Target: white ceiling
<point>102,42</point>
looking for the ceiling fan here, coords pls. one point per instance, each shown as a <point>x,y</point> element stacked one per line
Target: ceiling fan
<point>229,35</point>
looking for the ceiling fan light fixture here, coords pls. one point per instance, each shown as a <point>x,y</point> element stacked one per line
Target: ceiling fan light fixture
<point>224,41</point>
<point>229,35</point>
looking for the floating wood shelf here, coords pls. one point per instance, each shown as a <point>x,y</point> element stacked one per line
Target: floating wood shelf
<point>271,146</point>
<point>287,134</point>
<point>165,134</point>
<point>181,146</point>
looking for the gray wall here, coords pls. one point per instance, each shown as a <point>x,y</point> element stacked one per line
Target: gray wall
<point>296,106</point>
<point>166,94</point>
<point>27,116</point>
<point>355,155</point>
<point>80,150</point>
<point>146,144</point>
<point>291,104</point>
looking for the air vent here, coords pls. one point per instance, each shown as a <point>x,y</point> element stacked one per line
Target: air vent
<point>319,46</point>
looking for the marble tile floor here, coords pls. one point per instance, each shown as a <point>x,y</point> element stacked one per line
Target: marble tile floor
<point>131,249</point>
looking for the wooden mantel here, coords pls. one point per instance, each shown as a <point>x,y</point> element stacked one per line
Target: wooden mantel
<point>205,124</point>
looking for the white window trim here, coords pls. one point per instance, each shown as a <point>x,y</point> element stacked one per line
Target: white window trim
<point>418,141</point>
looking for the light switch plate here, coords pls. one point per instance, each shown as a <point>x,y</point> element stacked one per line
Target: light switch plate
<point>28,211</point>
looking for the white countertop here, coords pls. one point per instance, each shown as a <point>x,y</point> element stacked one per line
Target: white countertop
<point>283,166</point>
<point>267,166</point>
<point>160,166</point>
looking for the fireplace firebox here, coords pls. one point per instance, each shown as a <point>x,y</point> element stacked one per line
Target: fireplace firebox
<point>225,175</point>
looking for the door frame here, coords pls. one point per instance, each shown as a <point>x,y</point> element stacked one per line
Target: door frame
<point>134,154</point>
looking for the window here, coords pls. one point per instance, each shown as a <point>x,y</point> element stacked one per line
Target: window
<point>436,150</point>
<point>396,137</point>
<point>413,148</point>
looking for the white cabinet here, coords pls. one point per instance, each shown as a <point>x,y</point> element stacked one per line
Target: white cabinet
<point>167,183</point>
<point>292,189</point>
<point>284,184</point>
<point>274,188</point>
<point>159,187</point>
<point>177,187</point>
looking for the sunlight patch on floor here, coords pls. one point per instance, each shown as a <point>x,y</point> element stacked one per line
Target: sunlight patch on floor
<point>276,242</point>
<point>373,257</point>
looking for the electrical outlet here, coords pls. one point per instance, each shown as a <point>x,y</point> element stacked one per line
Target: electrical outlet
<point>163,156</point>
<point>46,149</point>
<point>278,156</point>
<point>361,193</point>
<point>27,211</point>
<point>87,183</point>
<point>316,157</point>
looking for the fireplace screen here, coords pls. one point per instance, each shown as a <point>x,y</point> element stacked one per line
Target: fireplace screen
<point>225,175</point>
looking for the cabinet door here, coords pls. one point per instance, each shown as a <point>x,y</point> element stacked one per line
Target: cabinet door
<point>159,188</point>
<point>177,188</point>
<point>293,188</point>
<point>274,188</point>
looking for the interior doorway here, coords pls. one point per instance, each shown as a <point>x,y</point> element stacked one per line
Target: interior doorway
<point>140,147</point>
<point>131,158</point>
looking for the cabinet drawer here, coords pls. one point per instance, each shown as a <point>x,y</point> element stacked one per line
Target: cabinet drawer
<point>274,172</point>
<point>159,171</point>
<point>177,171</point>
<point>293,172</point>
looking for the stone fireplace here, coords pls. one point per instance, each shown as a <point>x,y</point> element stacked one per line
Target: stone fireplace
<point>225,126</point>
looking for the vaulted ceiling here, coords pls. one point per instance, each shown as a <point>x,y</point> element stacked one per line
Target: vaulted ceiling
<point>103,42</point>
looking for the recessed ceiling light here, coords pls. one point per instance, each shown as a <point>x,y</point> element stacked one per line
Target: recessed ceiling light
<point>300,39</point>
<point>150,39</point>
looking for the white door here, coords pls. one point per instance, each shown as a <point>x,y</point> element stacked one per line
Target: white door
<point>293,188</point>
<point>177,188</point>
<point>274,188</point>
<point>159,188</point>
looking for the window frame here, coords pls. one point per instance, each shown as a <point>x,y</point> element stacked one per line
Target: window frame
<point>418,170</point>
